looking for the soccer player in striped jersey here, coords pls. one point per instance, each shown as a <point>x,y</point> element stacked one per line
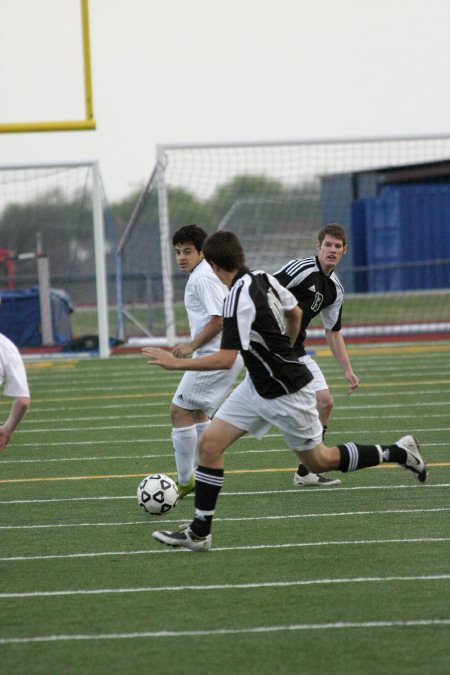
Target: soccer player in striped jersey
<point>318,291</point>
<point>199,394</point>
<point>261,320</point>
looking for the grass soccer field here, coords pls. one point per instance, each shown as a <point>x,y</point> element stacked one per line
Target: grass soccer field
<point>352,579</point>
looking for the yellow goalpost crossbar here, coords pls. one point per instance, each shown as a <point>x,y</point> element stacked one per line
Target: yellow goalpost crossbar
<point>69,125</point>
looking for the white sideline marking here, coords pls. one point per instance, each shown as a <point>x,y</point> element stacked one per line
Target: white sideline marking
<point>95,428</point>
<point>298,491</point>
<point>255,547</point>
<point>336,417</point>
<point>226,587</point>
<point>334,514</point>
<point>90,458</point>
<point>229,631</point>
<point>169,426</point>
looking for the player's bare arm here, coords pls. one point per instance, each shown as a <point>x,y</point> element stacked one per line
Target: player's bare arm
<point>293,319</point>
<point>212,328</point>
<point>18,410</point>
<point>220,360</point>
<point>339,351</point>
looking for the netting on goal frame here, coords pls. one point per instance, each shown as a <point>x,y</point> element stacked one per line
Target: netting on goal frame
<point>392,195</point>
<point>55,213</point>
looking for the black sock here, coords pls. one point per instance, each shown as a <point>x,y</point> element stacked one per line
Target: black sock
<point>208,483</point>
<point>355,456</point>
<point>392,453</point>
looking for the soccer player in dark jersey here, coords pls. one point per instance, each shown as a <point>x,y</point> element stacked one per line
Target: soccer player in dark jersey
<point>318,291</point>
<point>261,320</point>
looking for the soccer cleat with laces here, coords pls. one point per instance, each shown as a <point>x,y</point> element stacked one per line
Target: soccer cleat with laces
<point>414,461</point>
<point>187,488</point>
<point>184,538</point>
<point>314,479</point>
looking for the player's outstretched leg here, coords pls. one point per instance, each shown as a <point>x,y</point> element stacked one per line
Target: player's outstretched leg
<point>405,452</point>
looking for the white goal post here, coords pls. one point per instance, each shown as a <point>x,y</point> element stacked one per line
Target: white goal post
<point>64,201</point>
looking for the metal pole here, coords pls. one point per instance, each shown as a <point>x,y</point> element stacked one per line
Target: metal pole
<point>166,250</point>
<point>100,267</point>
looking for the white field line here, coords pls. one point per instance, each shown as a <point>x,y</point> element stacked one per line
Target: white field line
<point>110,427</point>
<point>227,631</point>
<point>101,458</point>
<point>101,403</point>
<point>164,414</point>
<point>255,547</point>
<point>148,441</point>
<point>38,409</point>
<point>333,514</point>
<point>168,425</point>
<point>303,493</point>
<point>139,387</point>
<point>226,587</point>
<point>91,418</point>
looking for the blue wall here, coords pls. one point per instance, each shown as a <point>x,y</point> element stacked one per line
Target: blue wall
<point>401,235</point>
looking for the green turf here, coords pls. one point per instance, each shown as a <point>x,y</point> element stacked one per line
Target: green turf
<point>351,580</point>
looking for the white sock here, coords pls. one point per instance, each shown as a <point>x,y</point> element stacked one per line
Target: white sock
<point>200,427</point>
<point>184,440</point>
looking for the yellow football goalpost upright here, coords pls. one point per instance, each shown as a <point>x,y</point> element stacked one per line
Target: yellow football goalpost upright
<point>87,124</point>
<point>70,125</point>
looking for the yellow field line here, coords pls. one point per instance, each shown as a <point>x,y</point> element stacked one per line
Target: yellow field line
<point>171,473</point>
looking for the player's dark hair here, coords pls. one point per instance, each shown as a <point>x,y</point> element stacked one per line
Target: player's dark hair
<point>225,250</point>
<point>190,233</point>
<point>334,230</point>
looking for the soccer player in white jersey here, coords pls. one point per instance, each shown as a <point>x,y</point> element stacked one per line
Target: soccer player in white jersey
<point>199,394</point>
<point>13,378</point>
<point>277,390</point>
<point>318,291</point>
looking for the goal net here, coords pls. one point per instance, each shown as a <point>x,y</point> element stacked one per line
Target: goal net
<point>392,195</point>
<point>52,239</point>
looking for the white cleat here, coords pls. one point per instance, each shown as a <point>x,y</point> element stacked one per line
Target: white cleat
<point>314,479</point>
<point>184,538</point>
<point>414,461</point>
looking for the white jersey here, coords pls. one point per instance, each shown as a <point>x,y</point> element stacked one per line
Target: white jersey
<point>12,369</point>
<point>203,298</point>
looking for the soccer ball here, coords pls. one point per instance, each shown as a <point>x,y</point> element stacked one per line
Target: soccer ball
<point>157,494</point>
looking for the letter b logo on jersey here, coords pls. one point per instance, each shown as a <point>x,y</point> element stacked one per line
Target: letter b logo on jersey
<point>317,302</point>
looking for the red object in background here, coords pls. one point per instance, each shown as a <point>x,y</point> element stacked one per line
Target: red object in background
<point>6,257</point>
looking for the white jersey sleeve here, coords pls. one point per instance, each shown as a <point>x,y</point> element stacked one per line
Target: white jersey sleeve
<point>12,370</point>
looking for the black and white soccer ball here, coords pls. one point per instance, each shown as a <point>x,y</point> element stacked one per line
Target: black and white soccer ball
<point>157,494</point>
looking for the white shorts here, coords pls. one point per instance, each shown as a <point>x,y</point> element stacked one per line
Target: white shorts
<point>295,415</point>
<point>319,381</point>
<point>206,389</point>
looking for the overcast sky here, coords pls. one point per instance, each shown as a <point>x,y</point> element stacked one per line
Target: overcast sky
<point>188,71</point>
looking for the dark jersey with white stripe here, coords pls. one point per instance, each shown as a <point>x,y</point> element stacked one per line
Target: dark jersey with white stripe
<point>253,323</point>
<point>316,293</point>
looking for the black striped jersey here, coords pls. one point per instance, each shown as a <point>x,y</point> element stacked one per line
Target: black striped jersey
<point>253,323</point>
<point>316,293</point>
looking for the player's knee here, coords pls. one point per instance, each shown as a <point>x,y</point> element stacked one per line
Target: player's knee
<point>180,417</point>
